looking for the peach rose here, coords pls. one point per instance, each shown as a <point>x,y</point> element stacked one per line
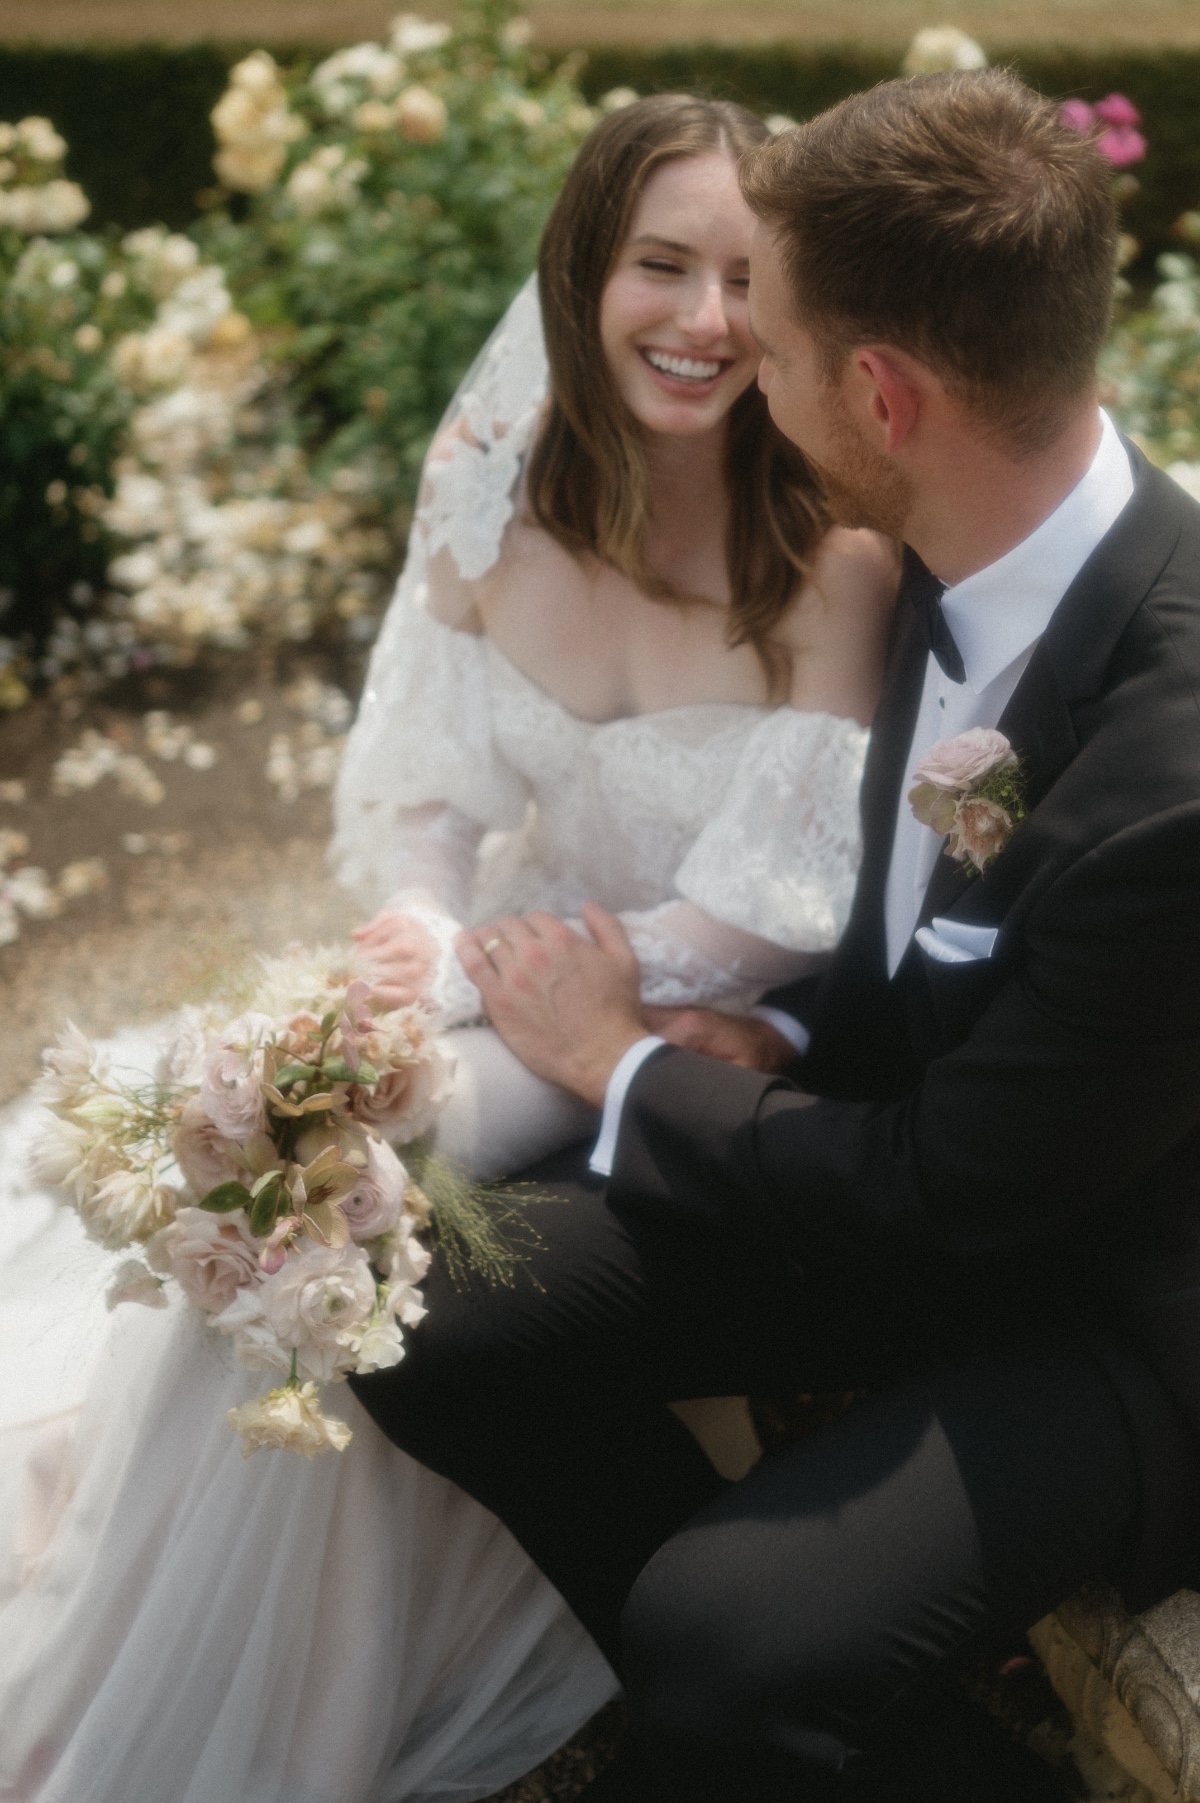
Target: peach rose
<point>981,829</point>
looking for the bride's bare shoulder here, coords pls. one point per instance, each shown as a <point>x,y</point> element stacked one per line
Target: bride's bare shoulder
<point>858,569</point>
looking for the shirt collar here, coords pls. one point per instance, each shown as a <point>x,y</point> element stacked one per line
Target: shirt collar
<point>1003,609</point>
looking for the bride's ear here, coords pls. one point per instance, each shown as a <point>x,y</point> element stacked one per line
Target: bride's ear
<point>889,396</point>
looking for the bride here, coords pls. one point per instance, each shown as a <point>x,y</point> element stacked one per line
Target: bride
<point>627,662</point>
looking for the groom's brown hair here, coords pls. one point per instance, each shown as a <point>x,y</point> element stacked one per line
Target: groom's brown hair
<point>957,218</point>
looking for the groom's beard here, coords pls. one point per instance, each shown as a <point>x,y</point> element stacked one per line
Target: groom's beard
<point>862,486</point>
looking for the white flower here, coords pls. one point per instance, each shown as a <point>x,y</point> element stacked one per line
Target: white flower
<point>60,1154</point>
<point>321,1294</point>
<point>940,47</point>
<point>617,99</point>
<point>126,1206</point>
<point>379,1345</point>
<point>39,140</point>
<point>211,1256</point>
<point>231,1090</point>
<point>132,1282</point>
<point>57,206</point>
<point>412,34</point>
<point>70,1068</point>
<point>290,1417</point>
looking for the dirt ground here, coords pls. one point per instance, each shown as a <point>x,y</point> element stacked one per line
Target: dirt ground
<point>559,23</point>
<point>221,866</point>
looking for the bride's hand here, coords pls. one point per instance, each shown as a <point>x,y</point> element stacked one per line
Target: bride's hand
<point>401,952</point>
<point>740,1039</point>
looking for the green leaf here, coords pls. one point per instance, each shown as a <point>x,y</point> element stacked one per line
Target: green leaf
<point>336,1070</point>
<point>366,1072</point>
<point>328,1020</point>
<point>226,1197</point>
<point>265,1207</point>
<point>292,1073</point>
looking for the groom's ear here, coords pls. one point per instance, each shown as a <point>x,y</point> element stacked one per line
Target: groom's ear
<point>889,393</point>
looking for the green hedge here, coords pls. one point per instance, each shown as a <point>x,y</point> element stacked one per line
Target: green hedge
<point>137,118</point>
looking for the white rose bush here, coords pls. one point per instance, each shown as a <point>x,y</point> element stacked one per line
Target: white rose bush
<point>258,1175</point>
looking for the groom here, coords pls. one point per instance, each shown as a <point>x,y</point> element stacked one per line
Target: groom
<point>987,1221</point>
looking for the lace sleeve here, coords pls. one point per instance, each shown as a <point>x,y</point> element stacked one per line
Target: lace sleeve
<point>779,858</point>
<point>424,730</point>
<point>688,958</point>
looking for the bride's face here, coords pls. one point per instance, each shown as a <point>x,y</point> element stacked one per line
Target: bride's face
<point>674,319</point>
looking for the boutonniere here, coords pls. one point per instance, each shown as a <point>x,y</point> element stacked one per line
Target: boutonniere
<point>972,788</point>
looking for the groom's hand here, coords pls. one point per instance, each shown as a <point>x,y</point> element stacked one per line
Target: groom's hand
<point>569,1007</point>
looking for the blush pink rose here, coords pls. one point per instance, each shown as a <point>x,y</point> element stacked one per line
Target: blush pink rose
<point>210,1256</point>
<point>202,1152</point>
<point>961,763</point>
<point>981,829</point>
<point>373,1205</point>
<point>231,1088</point>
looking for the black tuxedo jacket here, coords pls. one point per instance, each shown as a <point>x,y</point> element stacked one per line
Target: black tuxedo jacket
<point>1021,1133</point>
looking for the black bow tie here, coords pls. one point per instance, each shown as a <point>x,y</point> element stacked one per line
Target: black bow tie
<point>925,593</point>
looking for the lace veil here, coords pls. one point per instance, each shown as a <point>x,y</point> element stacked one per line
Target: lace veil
<point>465,505</point>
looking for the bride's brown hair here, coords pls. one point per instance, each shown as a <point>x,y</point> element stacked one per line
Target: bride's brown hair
<point>589,485</point>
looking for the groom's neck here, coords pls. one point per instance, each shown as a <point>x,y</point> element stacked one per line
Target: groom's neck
<point>975,497</point>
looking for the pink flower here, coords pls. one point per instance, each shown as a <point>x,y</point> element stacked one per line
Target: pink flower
<point>981,829</point>
<point>273,1256</point>
<point>1115,109</point>
<point>211,1256</point>
<point>202,1152</point>
<point>961,763</point>
<point>373,1205</point>
<point>1122,146</point>
<point>132,1282</point>
<point>1078,116</point>
<point>231,1090</point>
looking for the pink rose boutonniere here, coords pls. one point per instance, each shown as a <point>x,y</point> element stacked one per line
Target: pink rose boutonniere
<point>972,789</point>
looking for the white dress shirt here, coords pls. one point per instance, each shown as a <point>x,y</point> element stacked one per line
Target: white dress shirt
<point>997,617</point>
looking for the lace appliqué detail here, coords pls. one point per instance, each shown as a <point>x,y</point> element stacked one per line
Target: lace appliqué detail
<point>449,991</point>
<point>471,479</point>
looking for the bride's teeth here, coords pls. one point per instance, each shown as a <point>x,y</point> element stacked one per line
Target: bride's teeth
<point>686,367</point>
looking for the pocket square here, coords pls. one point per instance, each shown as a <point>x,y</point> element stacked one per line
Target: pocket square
<point>956,942</point>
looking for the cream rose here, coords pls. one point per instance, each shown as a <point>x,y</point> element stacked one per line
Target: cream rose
<point>211,1256</point>
<point>415,1079</point>
<point>289,1418</point>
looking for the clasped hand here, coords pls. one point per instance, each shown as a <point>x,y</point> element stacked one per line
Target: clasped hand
<point>570,1006</point>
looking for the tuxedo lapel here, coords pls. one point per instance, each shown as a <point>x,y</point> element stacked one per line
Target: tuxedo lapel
<point>1068,665</point>
<point>891,736</point>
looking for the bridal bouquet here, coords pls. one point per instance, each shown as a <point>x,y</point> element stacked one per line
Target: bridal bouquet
<point>256,1171</point>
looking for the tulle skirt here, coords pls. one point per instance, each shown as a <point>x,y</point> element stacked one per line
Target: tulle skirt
<point>179,1624</point>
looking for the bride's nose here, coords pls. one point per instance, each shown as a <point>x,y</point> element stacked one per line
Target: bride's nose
<point>703,315</point>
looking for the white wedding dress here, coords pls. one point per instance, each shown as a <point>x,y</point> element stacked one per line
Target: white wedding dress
<point>180,1625</point>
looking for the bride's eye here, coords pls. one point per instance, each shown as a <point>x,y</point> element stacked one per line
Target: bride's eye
<point>660,266</point>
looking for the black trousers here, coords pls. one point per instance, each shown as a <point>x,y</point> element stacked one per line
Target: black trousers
<point>790,1636</point>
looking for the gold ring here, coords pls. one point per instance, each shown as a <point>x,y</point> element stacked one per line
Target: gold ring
<point>490,947</point>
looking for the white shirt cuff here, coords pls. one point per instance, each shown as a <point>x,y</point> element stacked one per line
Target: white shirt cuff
<point>605,1149</point>
<point>793,1030</point>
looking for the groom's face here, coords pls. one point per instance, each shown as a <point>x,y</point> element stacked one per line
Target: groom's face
<point>814,409</point>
